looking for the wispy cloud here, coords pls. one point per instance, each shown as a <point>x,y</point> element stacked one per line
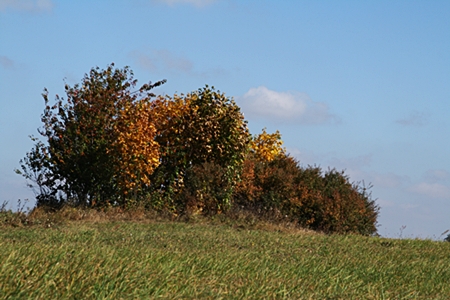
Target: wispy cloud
<point>356,162</point>
<point>388,180</point>
<point>385,203</point>
<point>196,3</point>
<point>6,62</point>
<point>414,119</point>
<point>214,73</point>
<point>432,190</point>
<point>435,184</point>
<point>284,107</point>
<point>439,175</point>
<point>409,206</point>
<point>33,6</point>
<point>358,169</point>
<point>162,60</point>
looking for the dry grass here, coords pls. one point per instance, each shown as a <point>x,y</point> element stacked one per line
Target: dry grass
<point>238,219</point>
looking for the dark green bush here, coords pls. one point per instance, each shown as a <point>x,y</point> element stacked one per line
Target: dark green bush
<point>447,238</point>
<point>206,189</point>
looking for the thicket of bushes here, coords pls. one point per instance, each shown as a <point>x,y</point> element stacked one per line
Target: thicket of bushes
<point>324,201</point>
<point>110,144</point>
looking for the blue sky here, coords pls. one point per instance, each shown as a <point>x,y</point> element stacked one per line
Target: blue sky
<point>361,86</point>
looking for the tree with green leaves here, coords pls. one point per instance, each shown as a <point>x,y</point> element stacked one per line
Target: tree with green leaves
<point>199,130</point>
<point>84,157</point>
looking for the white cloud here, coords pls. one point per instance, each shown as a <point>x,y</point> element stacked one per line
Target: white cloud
<point>197,3</point>
<point>432,190</point>
<point>162,60</point>
<point>6,62</point>
<point>292,107</point>
<point>27,5</point>
<point>414,119</point>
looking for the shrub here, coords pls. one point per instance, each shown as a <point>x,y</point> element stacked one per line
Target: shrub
<point>321,201</point>
<point>206,189</point>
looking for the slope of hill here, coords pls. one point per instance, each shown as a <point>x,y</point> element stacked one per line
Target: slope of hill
<point>169,260</point>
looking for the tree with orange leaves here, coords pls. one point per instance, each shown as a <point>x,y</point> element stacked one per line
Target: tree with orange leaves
<point>99,141</point>
<point>137,148</point>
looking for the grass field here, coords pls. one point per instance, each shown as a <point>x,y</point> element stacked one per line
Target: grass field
<point>182,260</point>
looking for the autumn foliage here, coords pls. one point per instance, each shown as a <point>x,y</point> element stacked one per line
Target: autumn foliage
<point>110,143</point>
<point>195,130</point>
<point>136,146</point>
<point>99,142</point>
<point>325,201</point>
<point>267,146</point>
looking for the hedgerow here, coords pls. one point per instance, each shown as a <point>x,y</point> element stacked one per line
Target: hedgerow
<point>111,144</point>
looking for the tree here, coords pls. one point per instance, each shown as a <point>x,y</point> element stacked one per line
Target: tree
<point>267,146</point>
<point>94,141</point>
<point>199,129</point>
<point>137,149</point>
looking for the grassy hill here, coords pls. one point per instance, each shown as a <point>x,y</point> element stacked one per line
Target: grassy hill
<point>214,260</point>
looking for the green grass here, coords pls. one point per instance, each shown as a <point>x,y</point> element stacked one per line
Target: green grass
<point>175,260</point>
